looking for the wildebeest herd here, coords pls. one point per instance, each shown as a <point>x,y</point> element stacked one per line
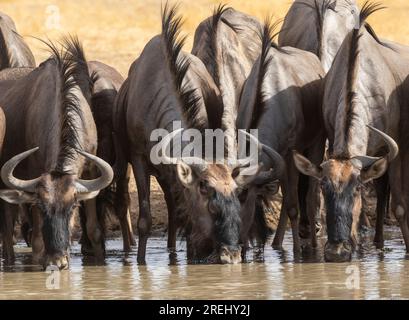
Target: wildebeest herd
<point>328,100</point>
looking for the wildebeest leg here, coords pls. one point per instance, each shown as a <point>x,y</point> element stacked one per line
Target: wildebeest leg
<point>382,192</point>
<point>290,194</point>
<point>247,215</point>
<point>303,187</point>
<point>94,232</point>
<point>172,223</point>
<point>26,224</point>
<point>121,207</point>
<point>7,231</point>
<point>316,156</point>
<point>398,177</point>
<point>282,226</point>
<point>37,242</point>
<point>289,185</point>
<point>390,204</point>
<point>142,178</point>
<point>313,209</point>
<point>86,246</point>
<point>260,230</point>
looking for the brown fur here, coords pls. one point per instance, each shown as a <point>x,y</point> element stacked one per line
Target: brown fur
<point>220,178</point>
<point>338,171</point>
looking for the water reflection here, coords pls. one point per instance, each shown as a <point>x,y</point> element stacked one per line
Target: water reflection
<point>381,275</point>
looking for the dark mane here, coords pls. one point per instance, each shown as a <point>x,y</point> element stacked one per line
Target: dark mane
<point>68,67</point>
<point>211,32</point>
<point>75,52</point>
<point>368,9</point>
<point>179,64</point>
<point>266,35</point>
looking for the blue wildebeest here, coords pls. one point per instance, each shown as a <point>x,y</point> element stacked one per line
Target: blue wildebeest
<point>320,26</point>
<point>281,98</point>
<point>48,114</point>
<point>16,61</point>
<point>362,116</point>
<point>166,85</point>
<point>228,43</point>
<point>115,198</point>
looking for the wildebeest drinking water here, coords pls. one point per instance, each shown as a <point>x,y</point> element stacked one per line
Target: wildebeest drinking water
<point>228,43</point>
<point>167,85</point>
<point>358,109</point>
<point>281,98</point>
<point>115,198</point>
<point>48,114</point>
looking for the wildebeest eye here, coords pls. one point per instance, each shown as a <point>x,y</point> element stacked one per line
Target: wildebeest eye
<point>204,190</point>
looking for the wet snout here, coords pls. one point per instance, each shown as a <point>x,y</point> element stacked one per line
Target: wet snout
<point>61,261</point>
<point>230,255</point>
<point>338,252</point>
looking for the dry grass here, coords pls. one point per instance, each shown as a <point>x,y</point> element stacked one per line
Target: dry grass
<point>115,31</point>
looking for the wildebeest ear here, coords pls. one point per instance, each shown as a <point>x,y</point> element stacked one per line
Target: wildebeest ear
<point>306,167</point>
<point>16,197</point>
<point>185,174</point>
<point>375,171</point>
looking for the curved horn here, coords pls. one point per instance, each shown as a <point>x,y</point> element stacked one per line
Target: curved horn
<point>393,148</point>
<point>107,174</point>
<point>163,145</point>
<point>246,161</point>
<point>12,182</point>
<point>277,159</point>
<point>279,165</point>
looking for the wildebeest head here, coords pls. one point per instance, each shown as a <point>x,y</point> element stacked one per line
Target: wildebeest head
<point>341,181</point>
<point>55,195</point>
<point>210,196</point>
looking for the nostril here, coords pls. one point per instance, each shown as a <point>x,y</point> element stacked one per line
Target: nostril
<point>338,252</point>
<point>230,255</point>
<point>60,262</point>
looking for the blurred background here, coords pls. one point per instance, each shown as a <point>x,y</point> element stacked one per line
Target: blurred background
<point>115,31</point>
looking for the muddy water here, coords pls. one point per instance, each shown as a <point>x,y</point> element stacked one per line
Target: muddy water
<point>371,275</point>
